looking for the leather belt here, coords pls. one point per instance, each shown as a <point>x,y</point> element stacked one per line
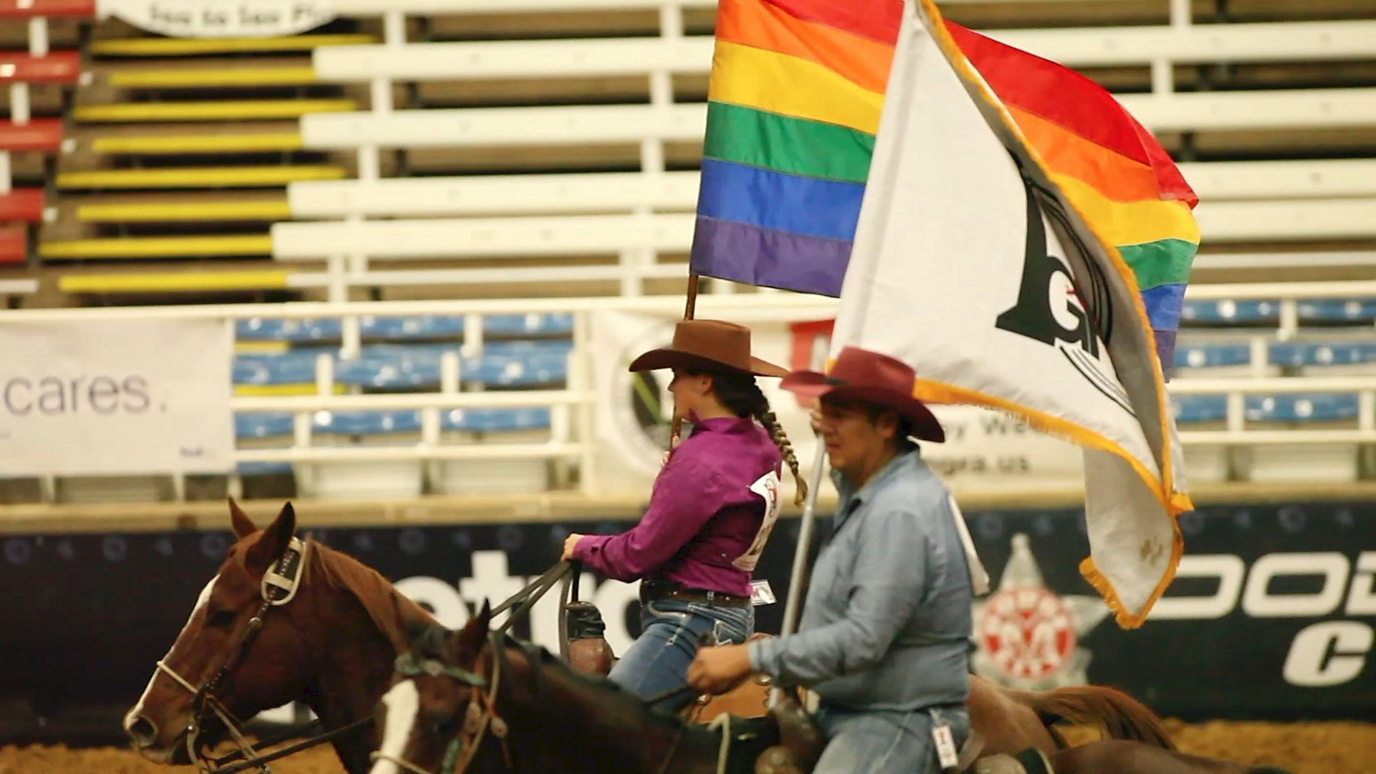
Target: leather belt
<point>651,591</point>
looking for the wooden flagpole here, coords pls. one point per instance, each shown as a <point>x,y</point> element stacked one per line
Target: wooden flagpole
<point>689,309</point>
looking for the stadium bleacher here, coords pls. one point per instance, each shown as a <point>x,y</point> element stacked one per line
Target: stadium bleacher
<point>427,148</point>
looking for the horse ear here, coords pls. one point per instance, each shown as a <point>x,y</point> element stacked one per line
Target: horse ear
<point>273,540</point>
<point>468,641</point>
<point>243,525</point>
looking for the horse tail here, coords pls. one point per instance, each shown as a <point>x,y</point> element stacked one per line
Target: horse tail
<point>1117,714</point>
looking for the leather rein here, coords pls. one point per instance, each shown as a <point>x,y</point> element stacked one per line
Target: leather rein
<point>481,716</point>
<point>279,586</point>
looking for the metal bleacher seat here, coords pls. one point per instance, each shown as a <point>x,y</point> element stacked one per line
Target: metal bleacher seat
<point>1338,311</point>
<point>1227,312</point>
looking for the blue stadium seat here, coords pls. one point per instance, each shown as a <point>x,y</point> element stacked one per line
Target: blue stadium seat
<point>1212,355</point>
<point>495,420</point>
<point>263,425</point>
<point>264,468</point>
<point>528,324</point>
<point>413,327</point>
<point>272,329</point>
<point>1228,312</point>
<point>1318,354</point>
<point>296,367</point>
<point>1337,310</point>
<point>503,364</point>
<point>1196,409</point>
<point>1312,407</point>
<point>367,422</point>
<point>403,328</point>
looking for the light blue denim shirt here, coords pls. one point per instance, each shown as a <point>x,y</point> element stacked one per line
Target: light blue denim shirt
<point>886,624</point>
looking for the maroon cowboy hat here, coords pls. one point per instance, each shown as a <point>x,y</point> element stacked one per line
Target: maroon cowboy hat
<point>708,345</point>
<point>872,378</point>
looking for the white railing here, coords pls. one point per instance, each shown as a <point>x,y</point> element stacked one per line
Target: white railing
<point>572,440</point>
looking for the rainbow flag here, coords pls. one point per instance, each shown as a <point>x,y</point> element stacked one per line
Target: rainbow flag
<point>796,91</point>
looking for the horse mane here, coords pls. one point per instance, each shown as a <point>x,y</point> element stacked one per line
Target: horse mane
<point>388,608</point>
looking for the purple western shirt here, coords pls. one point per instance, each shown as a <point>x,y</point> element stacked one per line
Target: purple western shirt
<point>703,514</point>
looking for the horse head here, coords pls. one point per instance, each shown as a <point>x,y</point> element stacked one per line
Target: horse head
<point>442,703</point>
<point>238,653</point>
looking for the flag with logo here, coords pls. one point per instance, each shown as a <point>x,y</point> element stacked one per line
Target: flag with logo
<point>973,263</point>
<point>796,92</point>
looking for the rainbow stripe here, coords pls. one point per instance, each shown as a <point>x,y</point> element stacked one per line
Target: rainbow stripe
<point>796,92</point>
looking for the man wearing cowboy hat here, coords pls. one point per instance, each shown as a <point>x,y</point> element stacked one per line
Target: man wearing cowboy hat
<point>886,624</point>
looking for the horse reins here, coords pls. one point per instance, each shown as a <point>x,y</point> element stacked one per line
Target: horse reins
<point>278,587</point>
<point>480,717</point>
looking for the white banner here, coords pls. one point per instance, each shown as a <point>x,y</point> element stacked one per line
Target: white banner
<point>970,265</point>
<point>220,18</point>
<point>116,397</point>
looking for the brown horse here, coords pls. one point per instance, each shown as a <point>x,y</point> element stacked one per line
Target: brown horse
<point>268,629</point>
<point>545,717</point>
<point>1117,756</point>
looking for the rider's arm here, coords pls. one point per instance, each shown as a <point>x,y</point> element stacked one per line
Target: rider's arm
<point>686,495</point>
<point>884,586</point>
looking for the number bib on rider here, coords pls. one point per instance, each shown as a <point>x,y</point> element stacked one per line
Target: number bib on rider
<point>767,487</point>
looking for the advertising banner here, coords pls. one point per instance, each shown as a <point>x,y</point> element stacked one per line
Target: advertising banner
<point>1274,615</point>
<point>122,397</point>
<point>220,19</point>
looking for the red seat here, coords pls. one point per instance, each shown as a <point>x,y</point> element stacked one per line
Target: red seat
<point>80,9</point>
<point>40,134</point>
<point>56,67</point>
<point>22,204</point>
<point>14,244</point>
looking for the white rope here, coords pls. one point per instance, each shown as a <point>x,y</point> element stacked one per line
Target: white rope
<point>172,673</point>
<point>722,723</point>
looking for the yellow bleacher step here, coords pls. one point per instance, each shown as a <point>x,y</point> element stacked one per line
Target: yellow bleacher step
<point>165,212</point>
<point>171,145</point>
<point>220,110</point>
<point>198,177</point>
<point>159,247</point>
<point>212,76</point>
<point>173,282</point>
<point>198,46</point>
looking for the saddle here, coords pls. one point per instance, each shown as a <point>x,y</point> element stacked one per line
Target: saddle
<point>759,739</point>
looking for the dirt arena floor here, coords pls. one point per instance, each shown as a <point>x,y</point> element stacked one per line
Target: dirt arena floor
<point>1303,748</point>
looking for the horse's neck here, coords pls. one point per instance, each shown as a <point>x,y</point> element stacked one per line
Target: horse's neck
<point>356,649</point>
<point>580,730</point>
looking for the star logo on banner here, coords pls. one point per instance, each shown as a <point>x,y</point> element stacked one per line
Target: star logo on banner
<point>1028,636</point>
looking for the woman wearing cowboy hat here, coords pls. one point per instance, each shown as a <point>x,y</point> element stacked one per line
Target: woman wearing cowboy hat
<point>886,624</point>
<point>710,512</point>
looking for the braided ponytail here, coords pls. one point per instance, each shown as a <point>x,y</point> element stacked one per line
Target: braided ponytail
<point>741,394</point>
<point>776,431</point>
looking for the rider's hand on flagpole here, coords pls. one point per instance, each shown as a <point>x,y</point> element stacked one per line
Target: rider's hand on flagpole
<point>719,669</point>
<point>569,543</point>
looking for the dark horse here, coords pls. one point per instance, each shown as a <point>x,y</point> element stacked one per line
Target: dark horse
<point>472,694</point>
<point>284,619</point>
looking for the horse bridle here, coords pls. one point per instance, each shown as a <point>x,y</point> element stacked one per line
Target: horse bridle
<point>279,585</point>
<point>480,718</point>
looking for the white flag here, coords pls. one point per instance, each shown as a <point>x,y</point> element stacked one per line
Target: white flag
<point>970,265</point>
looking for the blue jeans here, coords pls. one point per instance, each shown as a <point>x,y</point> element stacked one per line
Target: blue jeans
<point>657,662</point>
<point>883,742</point>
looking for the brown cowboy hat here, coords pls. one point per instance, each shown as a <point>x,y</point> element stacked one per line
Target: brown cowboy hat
<point>708,345</point>
<point>872,378</point>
